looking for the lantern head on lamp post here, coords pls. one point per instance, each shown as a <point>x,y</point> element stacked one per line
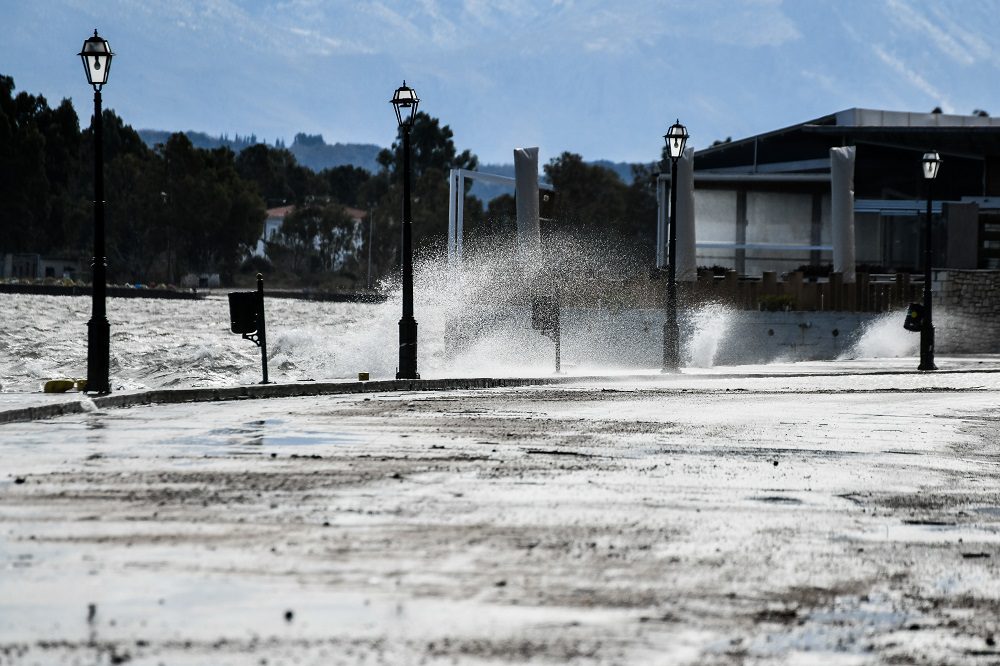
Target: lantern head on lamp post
<point>405,102</point>
<point>931,163</point>
<point>676,139</point>
<point>96,56</point>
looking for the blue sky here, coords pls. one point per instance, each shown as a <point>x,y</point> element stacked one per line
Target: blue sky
<point>604,79</point>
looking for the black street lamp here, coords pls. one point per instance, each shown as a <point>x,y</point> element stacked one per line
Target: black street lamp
<point>405,102</point>
<point>676,138</point>
<point>96,55</point>
<point>931,163</point>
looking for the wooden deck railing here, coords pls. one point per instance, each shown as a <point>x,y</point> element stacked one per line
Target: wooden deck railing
<point>867,294</point>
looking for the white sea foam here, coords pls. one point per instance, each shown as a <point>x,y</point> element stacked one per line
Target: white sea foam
<point>709,325</point>
<point>884,337</point>
<point>484,308</point>
<point>473,321</point>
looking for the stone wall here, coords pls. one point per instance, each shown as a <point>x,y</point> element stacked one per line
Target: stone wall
<point>967,311</point>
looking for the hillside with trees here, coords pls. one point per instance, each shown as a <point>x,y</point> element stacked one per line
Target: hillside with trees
<point>177,207</point>
<point>310,150</point>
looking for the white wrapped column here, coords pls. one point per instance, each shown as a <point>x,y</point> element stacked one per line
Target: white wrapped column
<point>687,263</point>
<point>842,210</point>
<point>526,193</point>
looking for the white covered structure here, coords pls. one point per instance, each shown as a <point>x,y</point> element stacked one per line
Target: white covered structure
<point>526,188</point>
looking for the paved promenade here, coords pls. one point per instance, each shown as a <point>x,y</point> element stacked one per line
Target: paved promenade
<point>827,513</point>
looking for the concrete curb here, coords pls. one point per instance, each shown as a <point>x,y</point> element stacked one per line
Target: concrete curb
<point>42,412</point>
<point>259,391</point>
<point>302,389</point>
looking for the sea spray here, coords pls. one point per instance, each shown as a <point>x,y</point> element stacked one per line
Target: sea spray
<point>884,337</point>
<point>708,327</point>
<point>474,319</point>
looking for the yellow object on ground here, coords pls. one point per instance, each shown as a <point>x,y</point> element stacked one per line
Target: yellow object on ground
<point>59,385</point>
<point>362,376</point>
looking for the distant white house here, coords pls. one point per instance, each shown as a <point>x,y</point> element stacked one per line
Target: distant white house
<point>276,218</point>
<point>272,227</point>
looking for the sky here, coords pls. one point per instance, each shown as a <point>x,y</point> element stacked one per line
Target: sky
<point>604,79</point>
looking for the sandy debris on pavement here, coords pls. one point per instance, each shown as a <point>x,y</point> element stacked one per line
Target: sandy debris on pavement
<point>802,520</point>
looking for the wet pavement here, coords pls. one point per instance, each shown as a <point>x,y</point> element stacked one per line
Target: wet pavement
<point>829,513</point>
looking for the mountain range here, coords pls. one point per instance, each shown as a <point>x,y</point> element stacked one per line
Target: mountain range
<point>310,150</point>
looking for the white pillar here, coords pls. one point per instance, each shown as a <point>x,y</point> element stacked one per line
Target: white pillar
<point>687,262</point>
<point>661,222</point>
<point>452,213</point>
<point>842,210</point>
<point>526,193</point>
<point>460,222</point>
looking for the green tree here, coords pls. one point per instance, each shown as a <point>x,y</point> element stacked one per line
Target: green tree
<point>319,236</point>
<point>278,177</point>
<point>135,216</point>
<point>133,209</point>
<point>589,196</point>
<point>24,183</point>
<point>345,184</point>
<point>169,210</point>
<point>432,147</point>
<point>214,217</point>
<point>433,155</point>
<point>268,170</point>
<point>641,211</point>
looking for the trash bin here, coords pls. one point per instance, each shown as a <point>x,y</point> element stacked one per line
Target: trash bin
<point>914,317</point>
<point>243,311</point>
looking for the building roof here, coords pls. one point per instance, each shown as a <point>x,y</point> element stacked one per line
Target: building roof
<point>280,211</point>
<point>355,213</point>
<point>803,146</point>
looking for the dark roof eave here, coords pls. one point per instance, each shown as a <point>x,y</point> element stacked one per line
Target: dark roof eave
<point>854,130</point>
<point>816,122</point>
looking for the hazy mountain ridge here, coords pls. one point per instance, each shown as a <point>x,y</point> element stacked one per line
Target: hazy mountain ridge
<point>313,152</point>
<point>310,150</point>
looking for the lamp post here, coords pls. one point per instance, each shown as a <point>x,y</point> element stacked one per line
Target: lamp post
<point>931,163</point>
<point>405,102</point>
<point>676,138</point>
<point>96,56</point>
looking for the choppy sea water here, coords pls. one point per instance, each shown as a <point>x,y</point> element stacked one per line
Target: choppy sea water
<point>473,320</point>
<point>173,343</point>
<point>154,343</point>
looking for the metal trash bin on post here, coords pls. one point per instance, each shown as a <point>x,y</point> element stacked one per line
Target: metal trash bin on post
<point>914,318</point>
<point>545,318</point>
<point>246,315</point>
<point>243,311</point>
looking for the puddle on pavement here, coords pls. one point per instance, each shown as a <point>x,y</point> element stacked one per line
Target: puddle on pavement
<point>928,531</point>
<point>261,439</point>
<point>308,439</point>
<point>776,499</point>
<point>253,435</point>
<point>842,628</point>
<point>199,606</point>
